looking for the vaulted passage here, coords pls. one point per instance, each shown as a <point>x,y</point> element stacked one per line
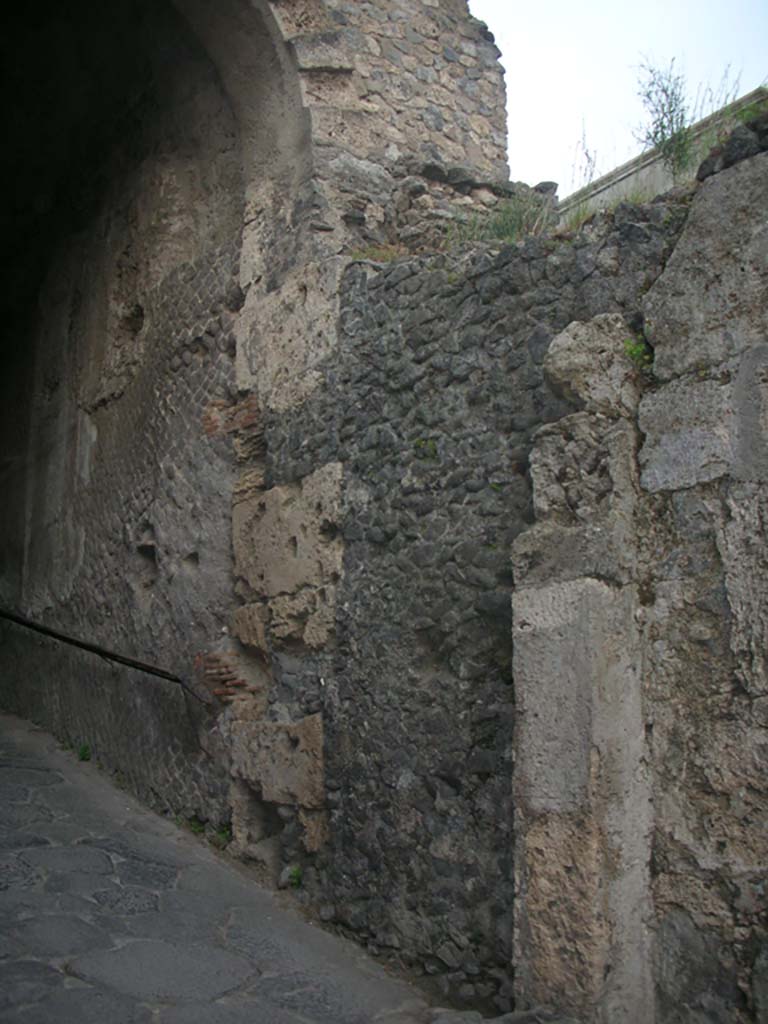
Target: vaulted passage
<point>138,136</point>
<point>125,179</point>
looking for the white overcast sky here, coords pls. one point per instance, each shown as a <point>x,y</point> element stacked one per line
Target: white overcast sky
<point>573,63</point>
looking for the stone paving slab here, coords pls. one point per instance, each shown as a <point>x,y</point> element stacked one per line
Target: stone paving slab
<point>109,913</point>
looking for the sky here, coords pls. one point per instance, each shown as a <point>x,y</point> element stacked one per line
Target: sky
<point>572,71</point>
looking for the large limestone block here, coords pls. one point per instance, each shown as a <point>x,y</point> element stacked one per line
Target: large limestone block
<point>323,52</point>
<point>585,485</point>
<point>576,669</point>
<point>711,302</point>
<point>686,628</point>
<point>698,430</point>
<point>588,361</point>
<point>741,542</point>
<point>689,429</point>
<point>582,810</point>
<point>565,931</point>
<point>283,760</point>
<point>284,334</point>
<point>289,551</point>
<point>709,811</point>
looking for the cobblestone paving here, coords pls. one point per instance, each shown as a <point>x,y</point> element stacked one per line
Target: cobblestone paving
<point>110,913</point>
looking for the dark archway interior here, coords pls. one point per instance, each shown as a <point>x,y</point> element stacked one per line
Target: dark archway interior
<point>78,82</point>
<point>69,93</point>
<point>74,78</point>
<point>122,171</point>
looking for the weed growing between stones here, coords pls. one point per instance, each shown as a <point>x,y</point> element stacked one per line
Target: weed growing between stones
<point>510,221</point>
<point>383,253</point>
<point>584,211</point>
<point>222,837</point>
<point>752,111</point>
<point>576,218</point>
<point>425,448</point>
<point>641,354</point>
<point>670,118</point>
<point>84,752</point>
<point>219,837</point>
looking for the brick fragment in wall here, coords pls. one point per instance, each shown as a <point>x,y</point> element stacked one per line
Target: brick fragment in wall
<point>228,678</point>
<point>243,422</point>
<point>222,417</point>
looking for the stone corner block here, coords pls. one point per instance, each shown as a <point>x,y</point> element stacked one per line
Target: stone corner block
<point>283,760</point>
<point>585,487</point>
<point>709,304</point>
<point>576,648</point>
<point>289,550</point>
<point>698,430</point>
<point>588,362</point>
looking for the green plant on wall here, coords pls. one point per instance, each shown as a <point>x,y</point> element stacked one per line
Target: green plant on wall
<point>667,128</point>
<point>222,837</point>
<point>425,448</point>
<point>584,169</point>
<point>670,117</point>
<point>509,221</point>
<point>577,217</point>
<point>640,353</point>
<point>753,110</point>
<point>381,252</point>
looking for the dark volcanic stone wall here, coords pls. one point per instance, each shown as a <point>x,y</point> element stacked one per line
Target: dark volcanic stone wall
<point>430,406</point>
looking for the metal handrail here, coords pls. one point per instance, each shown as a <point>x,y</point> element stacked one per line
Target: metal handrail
<point>102,652</point>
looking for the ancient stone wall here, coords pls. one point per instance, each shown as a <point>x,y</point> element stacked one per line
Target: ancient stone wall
<point>639,622</point>
<point>429,405</point>
<point>462,661</point>
<point>180,241</point>
<point>172,287</point>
